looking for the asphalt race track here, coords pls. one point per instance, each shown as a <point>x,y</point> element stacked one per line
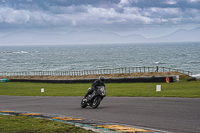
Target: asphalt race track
<point>178,115</point>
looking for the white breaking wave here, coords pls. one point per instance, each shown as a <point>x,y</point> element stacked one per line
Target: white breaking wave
<point>196,76</point>
<point>3,59</point>
<point>24,52</point>
<point>159,63</point>
<point>21,52</point>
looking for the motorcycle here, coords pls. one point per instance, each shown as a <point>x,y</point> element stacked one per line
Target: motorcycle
<point>95,98</point>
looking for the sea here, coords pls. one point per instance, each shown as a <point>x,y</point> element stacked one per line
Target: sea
<point>74,57</point>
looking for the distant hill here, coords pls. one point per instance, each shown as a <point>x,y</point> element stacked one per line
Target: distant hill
<point>179,36</point>
<point>95,36</point>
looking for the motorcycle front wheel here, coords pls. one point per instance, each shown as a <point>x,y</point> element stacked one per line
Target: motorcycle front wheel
<point>96,102</point>
<point>83,103</point>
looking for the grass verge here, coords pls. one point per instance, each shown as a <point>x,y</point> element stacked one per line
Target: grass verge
<point>181,89</point>
<point>24,124</point>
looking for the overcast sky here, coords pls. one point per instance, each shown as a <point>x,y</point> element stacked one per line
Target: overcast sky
<point>150,18</point>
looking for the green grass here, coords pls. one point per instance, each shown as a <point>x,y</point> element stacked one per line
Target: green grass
<point>34,89</point>
<point>181,89</point>
<point>191,89</point>
<point>24,124</point>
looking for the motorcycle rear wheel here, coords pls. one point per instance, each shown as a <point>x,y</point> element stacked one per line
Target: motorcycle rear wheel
<point>96,102</point>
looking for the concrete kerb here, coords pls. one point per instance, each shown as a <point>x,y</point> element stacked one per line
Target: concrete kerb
<point>95,126</point>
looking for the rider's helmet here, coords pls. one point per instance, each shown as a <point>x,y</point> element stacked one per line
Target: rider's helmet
<point>101,78</point>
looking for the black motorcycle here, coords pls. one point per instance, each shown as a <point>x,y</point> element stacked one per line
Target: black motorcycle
<point>95,98</point>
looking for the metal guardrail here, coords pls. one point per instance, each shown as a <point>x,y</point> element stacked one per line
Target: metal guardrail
<point>97,71</point>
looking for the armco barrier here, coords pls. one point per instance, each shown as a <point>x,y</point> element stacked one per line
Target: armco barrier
<point>107,80</point>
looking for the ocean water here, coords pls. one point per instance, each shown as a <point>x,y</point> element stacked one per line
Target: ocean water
<point>69,57</point>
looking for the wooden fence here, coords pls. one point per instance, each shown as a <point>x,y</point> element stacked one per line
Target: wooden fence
<point>91,72</point>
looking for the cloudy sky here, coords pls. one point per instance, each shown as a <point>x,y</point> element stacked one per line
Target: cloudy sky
<point>150,18</point>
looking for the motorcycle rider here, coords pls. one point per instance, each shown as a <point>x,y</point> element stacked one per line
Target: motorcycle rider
<point>98,82</point>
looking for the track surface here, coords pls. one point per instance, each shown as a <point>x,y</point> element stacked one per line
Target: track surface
<point>178,115</point>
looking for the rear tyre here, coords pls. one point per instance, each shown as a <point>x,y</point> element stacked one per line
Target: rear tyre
<point>96,102</point>
<point>83,103</point>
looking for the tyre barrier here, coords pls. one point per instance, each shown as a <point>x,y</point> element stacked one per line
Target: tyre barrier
<point>192,79</point>
<point>107,80</point>
<point>3,80</point>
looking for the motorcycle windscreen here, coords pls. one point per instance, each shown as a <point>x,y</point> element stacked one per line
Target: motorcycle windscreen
<point>101,90</point>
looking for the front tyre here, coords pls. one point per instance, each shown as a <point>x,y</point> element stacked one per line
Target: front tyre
<point>83,103</point>
<point>96,102</point>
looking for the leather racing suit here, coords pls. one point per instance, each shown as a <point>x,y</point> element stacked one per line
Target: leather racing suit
<point>94,86</point>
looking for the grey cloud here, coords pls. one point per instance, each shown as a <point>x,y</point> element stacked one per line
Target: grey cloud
<point>26,18</point>
<point>97,13</point>
<point>45,4</point>
<point>68,9</point>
